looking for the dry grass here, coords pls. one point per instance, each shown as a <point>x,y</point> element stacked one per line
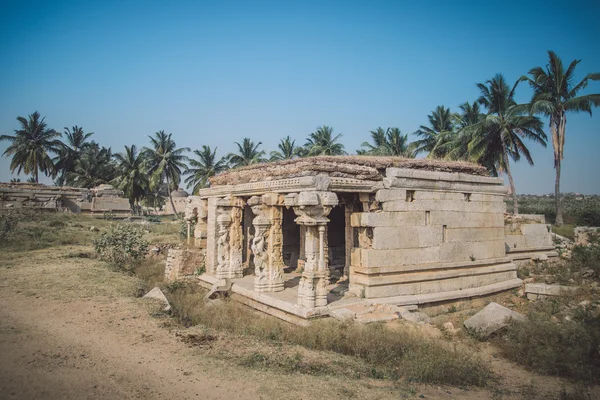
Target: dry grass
<point>390,354</point>
<point>356,167</point>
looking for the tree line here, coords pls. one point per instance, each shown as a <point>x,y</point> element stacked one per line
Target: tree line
<point>491,131</point>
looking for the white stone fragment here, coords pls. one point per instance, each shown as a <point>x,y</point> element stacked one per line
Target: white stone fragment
<point>491,319</point>
<point>157,294</point>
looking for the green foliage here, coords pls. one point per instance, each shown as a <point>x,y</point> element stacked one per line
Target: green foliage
<point>323,143</point>
<point>247,154</point>
<point>586,257</point>
<point>8,223</point>
<point>31,146</point>
<point>578,210</point>
<point>204,167</point>
<point>569,348</point>
<point>121,246</point>
<point>389,142</point>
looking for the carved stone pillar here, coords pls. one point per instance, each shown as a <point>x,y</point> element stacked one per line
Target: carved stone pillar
<point>229,238</point>
<point>267,244</point>
<point>312,209</point>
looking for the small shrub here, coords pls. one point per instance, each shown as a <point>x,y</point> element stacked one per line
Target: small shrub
<point>153,219</point>
<point>567,349</point>
<point>8,223</point>
<point>121,246</point>
<point>183,229</point>
<point>56,223</point>
<point>586,257</point>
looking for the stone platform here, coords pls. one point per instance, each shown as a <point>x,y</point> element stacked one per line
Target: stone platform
<point>284,304</point>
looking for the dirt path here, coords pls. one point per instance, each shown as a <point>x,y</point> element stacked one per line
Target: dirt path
<point>86,349</point>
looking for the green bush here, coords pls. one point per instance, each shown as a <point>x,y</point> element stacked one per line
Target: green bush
<point>569,348</point>
<point>121,246</point>
<point>8,223</point>
<point>586,257</point>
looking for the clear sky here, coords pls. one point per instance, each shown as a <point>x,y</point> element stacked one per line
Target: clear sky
<point>213,72</point>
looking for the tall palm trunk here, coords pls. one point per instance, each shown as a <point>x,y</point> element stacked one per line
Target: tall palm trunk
<point>559,217</point>
<point>171,197</point>
<point>510,180</point>
<point>558,140</point>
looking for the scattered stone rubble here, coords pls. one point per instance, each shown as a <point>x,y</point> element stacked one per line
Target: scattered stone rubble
<point>583,234</point>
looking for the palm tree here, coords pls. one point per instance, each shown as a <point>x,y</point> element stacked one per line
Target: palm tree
<point>71,151</point>
<point>389,142</point>
<point>378,137</point>
<point>165,161</point>
<point>132,176</point>
<point>322,143</point>
<point>247,154</point>
<point>457,147</point>
<point>499,135</point>
<point>433,137</point>
<point>94,167</point>
<point>203,168</point>
<point>31,145</point>
<point>287,150</point>
<point>554,94</point>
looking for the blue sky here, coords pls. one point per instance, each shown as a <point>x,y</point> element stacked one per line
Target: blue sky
<point>214,72</point>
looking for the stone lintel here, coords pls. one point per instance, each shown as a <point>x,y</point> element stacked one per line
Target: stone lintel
<point>394,172</point>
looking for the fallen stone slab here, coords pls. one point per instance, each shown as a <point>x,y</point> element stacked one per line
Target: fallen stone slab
<point>221,287</point>
<point>415,317</point>
<point>536,291</point>
<point>157,294</point>
<point>491,319</point>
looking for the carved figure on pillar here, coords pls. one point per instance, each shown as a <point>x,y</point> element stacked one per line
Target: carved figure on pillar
<point>267,244</point>
<point>223,247</point>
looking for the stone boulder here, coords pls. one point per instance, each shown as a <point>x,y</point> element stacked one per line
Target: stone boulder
<point>491,319</point>
<point>157,294</point>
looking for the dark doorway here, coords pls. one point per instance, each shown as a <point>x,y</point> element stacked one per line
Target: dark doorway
<point>248,230</point>
<point>336,238</point>
<point>291,239</point>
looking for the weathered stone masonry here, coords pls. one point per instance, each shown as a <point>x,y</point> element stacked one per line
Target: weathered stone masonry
<point>407,232</point>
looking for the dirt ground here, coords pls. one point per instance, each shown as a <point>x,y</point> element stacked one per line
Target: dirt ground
<point>71,329</point>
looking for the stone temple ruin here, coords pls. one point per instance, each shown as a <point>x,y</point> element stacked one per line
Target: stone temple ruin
<point>296,238</point>
<point>99,200</point>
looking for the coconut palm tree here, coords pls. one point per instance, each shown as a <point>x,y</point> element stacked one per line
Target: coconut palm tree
<point>93,167</point>
<point>555,94</point>
<point>433,137</point>
<point>499,136</point>
<point>457,147</point>
<point>132,175</point>
<point>389,142</point>
<point>322,143</point>
<point>247,154</point>
<point>31,146</point>
<point>71,151</point>
<point>165,162</point>
<point>287,150</point>
<point>205,166</point>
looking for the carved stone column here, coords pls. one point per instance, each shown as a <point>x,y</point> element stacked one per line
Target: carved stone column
<point>229,238</point>
<point>312,209</point>
<point>267,244</point>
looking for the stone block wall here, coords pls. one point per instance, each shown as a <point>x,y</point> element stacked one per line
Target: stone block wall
<point>527,236</point>
<point>446,237</point>
<point>183,262</point>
